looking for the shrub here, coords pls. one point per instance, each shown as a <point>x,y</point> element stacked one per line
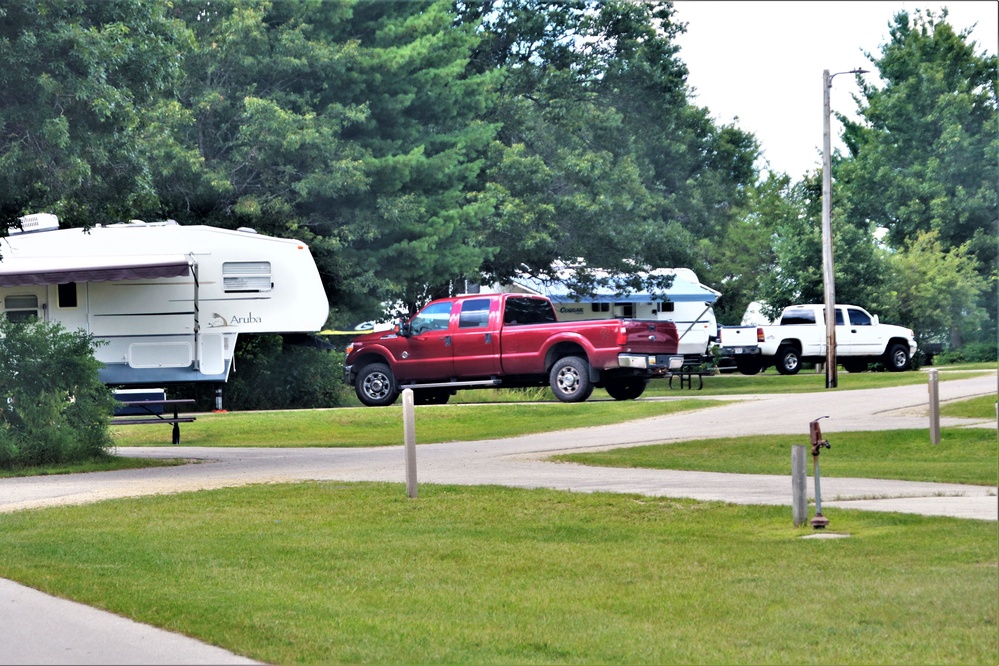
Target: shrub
<point>55,408</point>
<point>973,352</point>
<point>271,373</point>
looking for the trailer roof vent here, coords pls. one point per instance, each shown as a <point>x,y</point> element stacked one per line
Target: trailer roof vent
<point>33,223</point>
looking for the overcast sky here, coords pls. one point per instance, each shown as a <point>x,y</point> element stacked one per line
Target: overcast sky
<point>762,62</point>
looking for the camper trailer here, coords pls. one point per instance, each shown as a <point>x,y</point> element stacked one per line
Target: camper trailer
<point>687,303</point>
<point>166,302</point>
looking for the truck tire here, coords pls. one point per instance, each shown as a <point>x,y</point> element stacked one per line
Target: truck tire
<point>375,385</point>
<point>626,388</point>
<point>897,358</point>
<point>750,365</point>
<point>570,379</point>
<point>788,361</point>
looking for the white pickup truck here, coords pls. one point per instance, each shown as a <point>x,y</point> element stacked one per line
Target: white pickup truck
<point>801,336</point>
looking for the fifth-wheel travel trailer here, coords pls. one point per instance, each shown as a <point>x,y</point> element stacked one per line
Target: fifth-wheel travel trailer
<point>165,301</point>
<point>687,303</point>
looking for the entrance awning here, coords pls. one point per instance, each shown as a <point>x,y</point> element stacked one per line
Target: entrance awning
<point>29,271</point>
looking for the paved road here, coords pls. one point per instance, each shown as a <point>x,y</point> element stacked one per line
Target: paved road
<point>515,462</point>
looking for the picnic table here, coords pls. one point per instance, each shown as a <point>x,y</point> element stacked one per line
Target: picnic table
<point>151,411</point>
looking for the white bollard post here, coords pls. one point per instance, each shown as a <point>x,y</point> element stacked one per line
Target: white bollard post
<point>934,388</point>
<point>799,486</point>
<point>409,439</point>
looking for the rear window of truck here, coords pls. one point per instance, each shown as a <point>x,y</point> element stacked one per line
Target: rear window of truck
<point>798,317</point>
<point>520,311</point>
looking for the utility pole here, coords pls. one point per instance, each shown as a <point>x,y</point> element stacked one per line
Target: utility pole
<point>828,275</point>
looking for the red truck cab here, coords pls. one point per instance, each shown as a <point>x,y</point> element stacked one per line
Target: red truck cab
<point>510,340</point>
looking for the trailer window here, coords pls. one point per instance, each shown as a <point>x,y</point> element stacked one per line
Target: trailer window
<point>21,308</point>
<point>246,276</point>
<point>67,295</point>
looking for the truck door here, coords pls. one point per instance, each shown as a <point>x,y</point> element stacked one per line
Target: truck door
<point>474,338</point>
<point>428,352</point>
<point>860,334</point>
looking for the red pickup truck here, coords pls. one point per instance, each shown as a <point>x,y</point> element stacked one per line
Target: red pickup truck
<point>509,340</point>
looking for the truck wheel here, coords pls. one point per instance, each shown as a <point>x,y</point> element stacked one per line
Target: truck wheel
<point>855,364</point>
<point>431,396</point>
<point>749,366</point>
<point>375,385</point>
<point>897,358</point>
<point>570,379</point>
<point>788,361</point>
<point>627,388</point>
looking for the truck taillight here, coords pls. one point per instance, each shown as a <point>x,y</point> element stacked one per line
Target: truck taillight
<point>759,335</point>
<point>622,335</point>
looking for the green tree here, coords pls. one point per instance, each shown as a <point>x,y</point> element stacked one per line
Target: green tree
<point>55,408</point>
<point>601,157</point>
<point>80,82</point>
<point>421,222</point>
<point>738,262</point>
<point>938,289</point>
<point>797,273</point>
<point>925,156</point>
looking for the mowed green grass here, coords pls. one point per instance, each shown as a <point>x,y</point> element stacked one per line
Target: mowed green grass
<point>347,573</point>
<point>964,455</point>
<point>382,426</point>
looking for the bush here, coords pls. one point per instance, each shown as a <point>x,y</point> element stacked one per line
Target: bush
<point>272,374</point>
<point>55,408</point>
<point>973,352</point>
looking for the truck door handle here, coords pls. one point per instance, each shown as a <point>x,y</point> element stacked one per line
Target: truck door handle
<point>489,338</point>
<point>447,340</point>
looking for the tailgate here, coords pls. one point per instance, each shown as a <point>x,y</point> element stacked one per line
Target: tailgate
<point>650,337</point>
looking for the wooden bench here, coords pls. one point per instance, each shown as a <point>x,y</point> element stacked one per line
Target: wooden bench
<point>151,411</point>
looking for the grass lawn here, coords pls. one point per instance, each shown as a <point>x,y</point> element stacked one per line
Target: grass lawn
<point>964,455</point>
<point>108,464</point>
<point>982,407</point>
<point>382,426</point>
<point>332,573</point>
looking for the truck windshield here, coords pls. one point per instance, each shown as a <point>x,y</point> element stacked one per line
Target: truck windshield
<point>520,311</point>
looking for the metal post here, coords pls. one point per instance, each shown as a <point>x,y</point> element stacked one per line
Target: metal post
<point>815,434</point>
<point>934,388</point>
<point>819,522</point>
<point>799,494</point>
<point>409,437</point>
<point>828,276</point>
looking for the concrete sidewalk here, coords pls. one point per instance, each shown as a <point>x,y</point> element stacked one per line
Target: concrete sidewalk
<point>42,629</point>
<point>76,634</point>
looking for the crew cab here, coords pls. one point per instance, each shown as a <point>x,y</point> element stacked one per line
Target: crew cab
<point>801,336</point>
<point>508,340</point>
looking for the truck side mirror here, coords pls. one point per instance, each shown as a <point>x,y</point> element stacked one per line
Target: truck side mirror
<point>403,329</point>
<point>874,320</point>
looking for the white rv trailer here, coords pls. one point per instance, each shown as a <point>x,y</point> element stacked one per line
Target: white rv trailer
<point>687,303</point>
<point>166,301</point>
